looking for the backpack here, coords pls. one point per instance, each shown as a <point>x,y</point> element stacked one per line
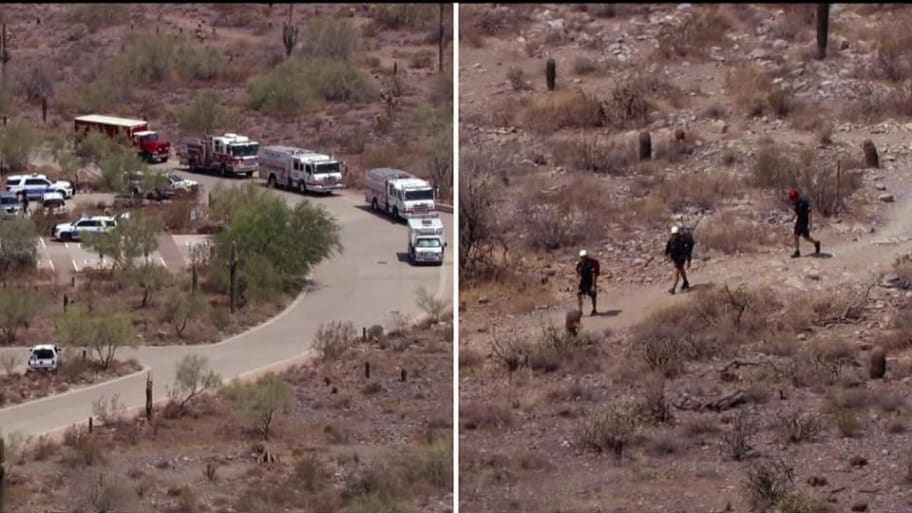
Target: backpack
<point>688,243</point>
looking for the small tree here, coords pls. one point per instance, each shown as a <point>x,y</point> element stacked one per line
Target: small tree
<point>431,305</point>
<point>17,308</point>
<point>102,332</point>
<point>149,278</point>
<point>193,377</point>
<point>18,141</point>
<point>18,246</point>
<point>181,309</point>
<point>95,147</point>
<point>261,402</point>
<point>133,238</point>
<point>205,114</point>
<point>332,340</point>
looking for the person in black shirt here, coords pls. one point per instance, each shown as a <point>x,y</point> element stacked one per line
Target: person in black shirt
<point>588,271</point>
<point>802,222</point>
<point>679,250</point>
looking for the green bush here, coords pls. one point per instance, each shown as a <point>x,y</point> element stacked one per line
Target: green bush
<point>298,85</point>
<point>205,114</point>
<point>329,38</point>
<point>18,140</point>
<point>17,308</point>
<point>261,402</point>
<point>18,246</point>
<point>413,16</point>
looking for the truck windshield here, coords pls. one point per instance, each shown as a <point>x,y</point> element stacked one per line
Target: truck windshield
<point>244,150</point>
<point>8,200</point>
<point>428,243</point>
<point>332,167</point>
<point>149,137</point>
<point>44,354</point>
<point>419,194</point>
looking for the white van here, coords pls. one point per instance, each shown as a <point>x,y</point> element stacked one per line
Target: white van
<point>44,357</point>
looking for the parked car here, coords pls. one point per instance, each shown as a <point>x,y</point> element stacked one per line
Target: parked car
<point>86,225</point>
<point>53,201</point>
<point>150,187</point>
<point>179,183</point>
<point>10,204</point>
<point>44,357</point>
<point>34,186</point>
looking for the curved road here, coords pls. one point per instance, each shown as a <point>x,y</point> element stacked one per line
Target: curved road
<point>363,285</point>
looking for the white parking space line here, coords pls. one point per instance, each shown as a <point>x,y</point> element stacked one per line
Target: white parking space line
<point>162,259</point>
<point>66,245</point>
<point>76,269</point>
<point>41,240</point>
<point>51,263</point>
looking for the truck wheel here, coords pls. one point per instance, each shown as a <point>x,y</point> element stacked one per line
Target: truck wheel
<point>249,175</point>
<point>148,157</point>
<point>271,182</point>
<point>224,170</point>
<point>396,213</point>
<point>374,204</point>
<point>192,166</point>
<point>302,187</point>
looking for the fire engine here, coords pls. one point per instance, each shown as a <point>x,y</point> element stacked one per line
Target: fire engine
<point>299,169</point>
<point>150,145</point>
<point>229,154</point>
<point>399,193</point>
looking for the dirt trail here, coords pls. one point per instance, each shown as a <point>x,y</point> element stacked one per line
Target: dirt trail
<point>841,264</point>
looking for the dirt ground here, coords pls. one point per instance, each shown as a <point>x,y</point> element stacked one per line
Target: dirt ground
<point>763,371</point>
<point>348,443</point>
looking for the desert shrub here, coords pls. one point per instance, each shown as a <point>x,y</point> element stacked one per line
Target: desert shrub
<point>102,331</point>
<point>430,463</point>
<point>740,436</point>
<point>108,410</point>
<point>412,16</point>
<point>297,85</point>
<point>779,101</point>
<point>696,35</point>
<point>86,450</point>
<point>703,190</point>
<point>706,326</point>
<point>9,361</point>
<point>480,237</point>
<point>767,482</point>
<point>611,427</point>
<point>205,114</point>
<point>584,66</point>
<point>44,448</point>
<point>595,154</point>
<point>182,309</point>
<point>261,402</point>
<point>517,78</point>
<point>192,378</point>
<point>730,234</point>
<point>97,16</point>
<point>101,491</point>
<point>892,47</point>
<point>18,141</point>
<point>564,109</point>
<point>797,427</point>
<point>476,415</point>
<point>802,502</point>
<point>334,339</point>
<point>433,306</point>
<point>847,421</point>
<point>329,38</point>
<point>748,86</point>
<point>17,308</point>
<point>18,246</point>
<point>629,104</point>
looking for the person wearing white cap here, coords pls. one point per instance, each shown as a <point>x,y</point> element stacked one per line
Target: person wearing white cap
<point>679,249</point>
<point>587,269</point>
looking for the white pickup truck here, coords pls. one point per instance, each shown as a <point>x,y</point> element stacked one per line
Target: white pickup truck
<point>426,240</point>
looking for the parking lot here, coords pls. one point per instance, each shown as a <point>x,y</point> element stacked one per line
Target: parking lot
<point>67,258</point>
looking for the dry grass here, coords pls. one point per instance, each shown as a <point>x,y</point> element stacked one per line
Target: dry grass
<point>704,191</point>
<point>563,109</point>
<point>730,234</point>
<point>695,37</point>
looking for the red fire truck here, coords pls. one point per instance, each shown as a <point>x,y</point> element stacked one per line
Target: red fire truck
<point>229,154</point>
<point>150,146</point>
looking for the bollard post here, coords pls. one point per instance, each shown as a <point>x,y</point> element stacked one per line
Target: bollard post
<point>403,375</point>
<point>363,334</point>
<point>149,397</point>
<point>367,370</point>
<point>90,424</point>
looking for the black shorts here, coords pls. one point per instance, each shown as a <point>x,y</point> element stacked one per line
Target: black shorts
<point>586,289</point>
<point>803,230</point>
<point>679,262</point>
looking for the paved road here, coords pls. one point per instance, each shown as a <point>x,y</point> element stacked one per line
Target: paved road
<point>363,285</point>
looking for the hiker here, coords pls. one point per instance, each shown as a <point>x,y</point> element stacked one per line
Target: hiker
<point>802,222</point>
<point>588,271</point>
<point>25,203</point>
<point>679,249</point>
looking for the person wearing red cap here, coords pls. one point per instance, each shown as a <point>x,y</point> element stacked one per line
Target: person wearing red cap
<point>802,222</point>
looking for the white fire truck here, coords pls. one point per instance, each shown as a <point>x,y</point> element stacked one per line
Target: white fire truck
<point>426,240</point>
<point>299,169</point>
<point>228,154</point>
<point>398,193</point>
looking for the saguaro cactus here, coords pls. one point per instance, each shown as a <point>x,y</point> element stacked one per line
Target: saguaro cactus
<point>551,73</point>
<point>645,145</point>
<point>289,34</point>
<point>870,154</point>
<point>823,27</point>
<point>4,51</point>
<point>878,366</point>
<point>2,474</point>
<point>149,397</point>
<point>232,269</point>
<point>440,44</point>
